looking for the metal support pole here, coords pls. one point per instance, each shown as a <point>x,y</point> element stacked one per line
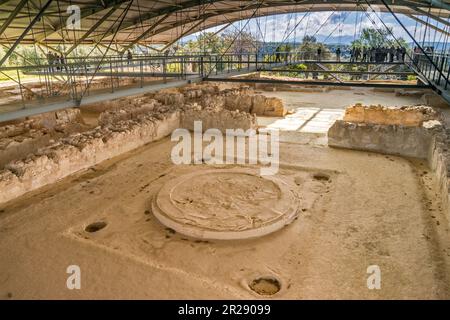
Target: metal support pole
<point>112,79</point>
<point>409,34</point>
<point>142,73</point>
<point>21,91</point>
<point>164,70</point>
<point>201,67</point>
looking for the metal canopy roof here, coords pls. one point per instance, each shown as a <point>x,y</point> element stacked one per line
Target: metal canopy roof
<point>165,21</point>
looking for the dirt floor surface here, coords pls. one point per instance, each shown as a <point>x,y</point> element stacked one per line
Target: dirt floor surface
<point>357,209</point>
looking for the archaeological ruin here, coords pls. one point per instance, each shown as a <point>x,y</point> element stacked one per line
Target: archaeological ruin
<point>171,151</point>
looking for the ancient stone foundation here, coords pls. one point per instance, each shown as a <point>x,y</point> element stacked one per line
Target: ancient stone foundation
<point>80,151</point>
<point>43,150</point>
<point>256,104</point>
<point>217,118</point>
<point>417,132</point>
<point>17,140</point>
<point>386,139</point>
<point>404,116</point>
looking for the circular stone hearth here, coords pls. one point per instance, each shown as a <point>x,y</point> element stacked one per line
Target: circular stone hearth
<point>225,204</point>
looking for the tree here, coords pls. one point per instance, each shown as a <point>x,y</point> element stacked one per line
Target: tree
<point>308,48</point>
<point>29,56</point>
<point>376,38</point>
<point>372,37</point>
<point>240,42</point>
<point>309,39</point>
<point>228,42</point>
<point>208,42</point>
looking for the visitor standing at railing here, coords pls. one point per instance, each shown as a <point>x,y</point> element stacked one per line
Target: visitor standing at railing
<point>277,55</point>
<point>51,60</point>
<point>403,53</point>
<point>416,55</point>
<point>365,54</point>
<point>392,53</point>
<point>357,54</point>
<point>129,57</point>
<point>398,54</point>
<point>62,62</point>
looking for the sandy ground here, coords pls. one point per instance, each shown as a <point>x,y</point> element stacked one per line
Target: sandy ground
<point>374,210</point>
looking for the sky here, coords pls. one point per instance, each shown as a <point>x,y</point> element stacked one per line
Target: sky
<point>329,27</point>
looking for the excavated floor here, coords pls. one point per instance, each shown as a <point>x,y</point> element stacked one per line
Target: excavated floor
<point>356,210</point>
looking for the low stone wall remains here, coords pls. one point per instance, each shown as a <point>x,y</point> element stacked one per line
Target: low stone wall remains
<point>417,132</point>
<point>81,151</point>
<point>19,139</point>
<point>124,125</point>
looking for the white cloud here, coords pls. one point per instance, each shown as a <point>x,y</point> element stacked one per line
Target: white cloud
<point>324,24</point>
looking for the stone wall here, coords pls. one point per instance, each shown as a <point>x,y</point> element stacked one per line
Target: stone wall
<point>81,151</point>
<point>386,139</point>
<point>23,138</point>
<point>217,118</point>
<point>256,104</point>
<point>439,162</point>
<point>124,124</point>
<point>403,116</point>
<point>417,132</point>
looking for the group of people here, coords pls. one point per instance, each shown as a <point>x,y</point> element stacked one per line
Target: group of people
<point>55,60</point>
<point>378,55</point>
<point>338,54</point>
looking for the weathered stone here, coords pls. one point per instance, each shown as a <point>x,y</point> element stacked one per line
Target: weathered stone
<point>415,132</point>
<point>404,116</point>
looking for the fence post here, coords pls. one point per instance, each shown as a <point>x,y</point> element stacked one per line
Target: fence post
<point>201,67</point>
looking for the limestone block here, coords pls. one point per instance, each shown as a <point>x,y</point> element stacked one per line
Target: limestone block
<point>176,99</point>
<point>10,186</point>
<point>354,113</point>
<point>218,119</point>
<point>258,105</point>
<point>274,108</point>
<point>269,107</point>
<point>68,116</point>
<point>239,102</point>
<point>385,139</point>
<point>404,116</point>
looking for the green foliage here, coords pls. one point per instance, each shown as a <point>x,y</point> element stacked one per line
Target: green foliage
<point>372,37</point>
<point>299,67</point>
<point>285,48</point>
<point>29,56</point>
<point>227,42</point>
<point>309,48</point>
<point>309,39</point>
<point>206,42</point>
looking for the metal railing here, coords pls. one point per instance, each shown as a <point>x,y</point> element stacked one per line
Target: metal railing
<point>437,70</point>
<point>74,79</point>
